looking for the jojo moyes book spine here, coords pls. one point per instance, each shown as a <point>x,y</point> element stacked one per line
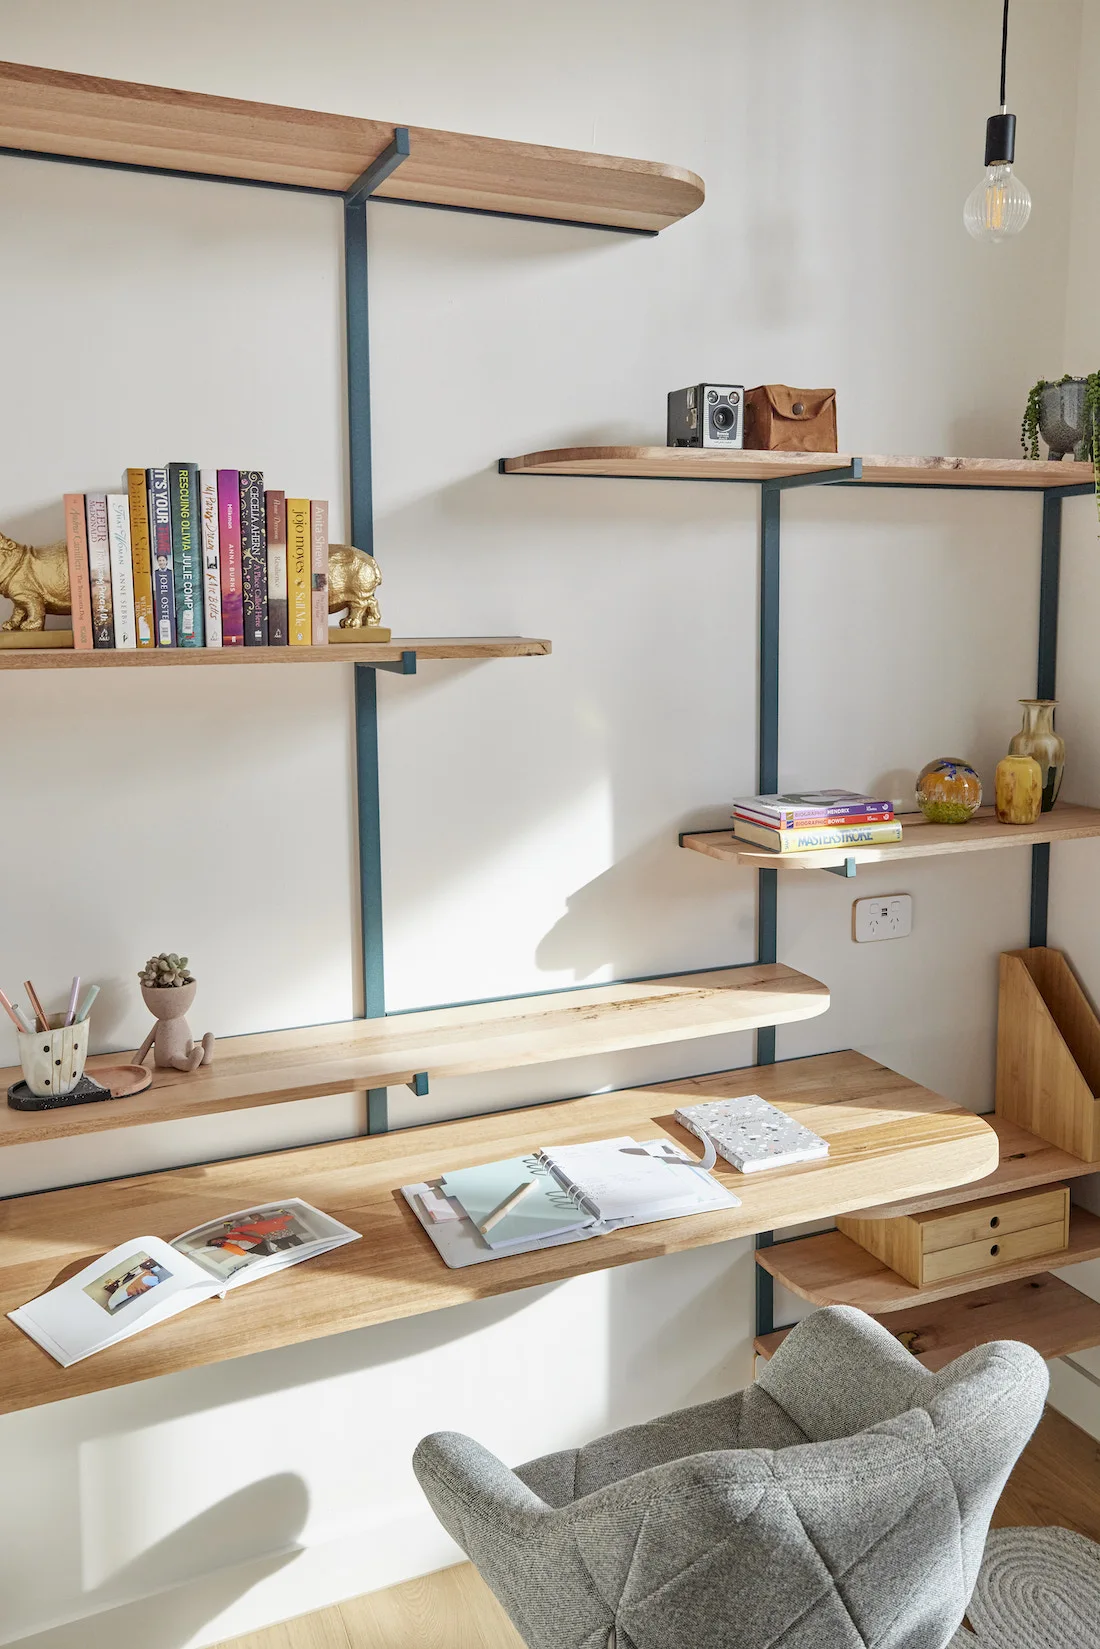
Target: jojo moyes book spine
<point>229,544</point>
<point>183,496</point>
<point>160,538</point>
<point>254,558</point>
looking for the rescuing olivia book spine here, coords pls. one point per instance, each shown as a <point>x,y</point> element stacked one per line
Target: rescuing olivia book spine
<point>145,1281</point>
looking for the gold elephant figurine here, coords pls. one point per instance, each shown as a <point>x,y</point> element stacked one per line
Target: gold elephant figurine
<point>353,577</point>
<point>35,580</point>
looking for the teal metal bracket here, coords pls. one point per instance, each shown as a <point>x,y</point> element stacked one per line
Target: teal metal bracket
<point>847,869</point>
<point>404,666</point>
<point>380,168</point>
<point>418,1084</point>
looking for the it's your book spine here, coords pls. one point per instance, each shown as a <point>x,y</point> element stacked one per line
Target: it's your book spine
<point>122,569</point>
<point>229,541</point>
<point>211,557</point>
<point>298,570</point>
<point>141,550</point>
<point>99,570</point>
<point>80,588</point>
<point>183,495</point>
<point>160,538</point>
<point>254,558</point>
<point>275,503</point>
<point>318,586</point>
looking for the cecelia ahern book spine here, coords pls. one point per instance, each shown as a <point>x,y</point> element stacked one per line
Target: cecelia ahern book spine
<point>254,558</point>
<point>143,565</point>
<point>160,539</point>
<point>318,584</point>
<point>211,556</point>
<point>229,544</point>
<point>183,496</point>
<point>297,570</point>
<point>275,504</point>
<point>80,588</point>
<point>99,569</point>
<point>122,569</point>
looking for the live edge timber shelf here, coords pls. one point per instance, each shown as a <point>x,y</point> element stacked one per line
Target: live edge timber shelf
<point>47,111</point>
<point>920,840</point>
<point>690,464</point>
<point>276,1066</point>
<point>886,1134</point>
<point>372,652</point>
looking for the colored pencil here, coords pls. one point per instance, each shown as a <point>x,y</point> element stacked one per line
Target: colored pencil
<point>86,1005</point>
<point>73,994</point>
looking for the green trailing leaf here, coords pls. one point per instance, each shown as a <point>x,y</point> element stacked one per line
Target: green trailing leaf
<point>1029,427</point>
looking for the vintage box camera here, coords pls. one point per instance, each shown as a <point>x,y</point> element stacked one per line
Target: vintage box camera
<point>707,415</point>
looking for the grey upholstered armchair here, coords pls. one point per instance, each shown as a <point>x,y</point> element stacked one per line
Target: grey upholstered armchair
<point>842,1502</point>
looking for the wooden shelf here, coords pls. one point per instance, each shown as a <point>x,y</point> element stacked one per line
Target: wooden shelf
<point>691,464</point>
<point>47,111</point>
<point>277,1066</point>
<point>920,840</point>
<point>1042,1311</point>
<point>885,1133</point>
<point>830,1269</point>
<point>374,652</point>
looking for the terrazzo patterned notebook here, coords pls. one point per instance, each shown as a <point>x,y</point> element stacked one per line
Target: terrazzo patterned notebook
<point>751,1134</point>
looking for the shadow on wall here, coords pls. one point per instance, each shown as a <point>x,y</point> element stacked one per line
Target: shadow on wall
<point>272,1511</point>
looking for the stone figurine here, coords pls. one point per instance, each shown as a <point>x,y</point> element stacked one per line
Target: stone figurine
<point>353,577</point>
<point>35,580</point>
<point>168,990</point>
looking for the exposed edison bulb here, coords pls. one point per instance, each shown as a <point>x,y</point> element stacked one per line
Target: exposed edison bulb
<point>1000,206</point>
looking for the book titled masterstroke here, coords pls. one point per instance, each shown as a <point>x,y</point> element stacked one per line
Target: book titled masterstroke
<point>146,1280</point>
<point>818,837</point>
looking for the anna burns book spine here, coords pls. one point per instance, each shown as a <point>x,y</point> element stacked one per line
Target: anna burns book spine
<point>160,538</point>
<point>99,570</point>
<point>275,503</point>
<point>80,588</point>
<point>211,557</point>
<point>141,549</point>
<point>297,570</point>
<point>254,558</point>
<point>229,540</point>
<point>183,496</point>
<point>318,514</point>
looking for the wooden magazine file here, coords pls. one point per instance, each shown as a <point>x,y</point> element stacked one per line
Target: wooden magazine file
<point>1048,1052</point>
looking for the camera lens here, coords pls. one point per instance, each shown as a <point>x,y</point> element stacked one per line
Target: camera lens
<point>734,397</point>
<point>712,395</point>
<point>723,417</point>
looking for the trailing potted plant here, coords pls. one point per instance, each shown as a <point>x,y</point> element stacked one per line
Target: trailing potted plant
<point>168,989</point>
<point>1067,416</point>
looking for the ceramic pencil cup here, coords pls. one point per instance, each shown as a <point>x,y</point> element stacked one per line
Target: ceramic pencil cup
<point>53,1061</point>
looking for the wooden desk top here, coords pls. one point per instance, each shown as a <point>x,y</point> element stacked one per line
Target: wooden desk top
<point>889,1139</point>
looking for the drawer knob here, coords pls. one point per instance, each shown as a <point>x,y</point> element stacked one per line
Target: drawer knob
<point>994,1222</point>
<point>996,1248</point>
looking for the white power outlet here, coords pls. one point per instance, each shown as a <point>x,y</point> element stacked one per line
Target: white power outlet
<point>890,916</point>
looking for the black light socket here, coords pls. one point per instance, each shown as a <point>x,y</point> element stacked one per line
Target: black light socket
<point>1000,140</point>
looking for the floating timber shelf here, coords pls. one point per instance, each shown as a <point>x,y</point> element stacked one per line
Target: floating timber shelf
<point>373,652</point>
<point>46,111</point>
<point>920,840</point>
<point>693,464</point>
<point>276,1066</point>
<point>885,1133</point>
<point>1042,1311</point>
<point>830,1269</point>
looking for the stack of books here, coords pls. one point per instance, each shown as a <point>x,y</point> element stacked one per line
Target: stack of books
<point>197,558</point>
<point>812,820</point>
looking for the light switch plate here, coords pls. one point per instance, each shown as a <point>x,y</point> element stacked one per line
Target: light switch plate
<point>888,916</point>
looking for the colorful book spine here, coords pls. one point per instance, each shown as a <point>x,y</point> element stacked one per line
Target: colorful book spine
<point>298,552</point>
<point>254,559</point>
<point>122,569</point>
<point>80,588</point>
<point>140,550</point>
<point>815,821</point>
<point>99,570</point>
<point>229,544</point>
<point>816,841</point>
<point>183,496</point>
<point>211,557</point>
<point>160,536</point>
<point>277,610</point>
<point>318,584</point>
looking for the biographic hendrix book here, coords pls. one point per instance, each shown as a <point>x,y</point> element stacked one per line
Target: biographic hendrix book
<point>802,809</point>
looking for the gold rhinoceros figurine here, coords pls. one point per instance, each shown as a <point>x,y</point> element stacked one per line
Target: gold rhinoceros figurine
<point>35,581</point>
<point>353,577</point>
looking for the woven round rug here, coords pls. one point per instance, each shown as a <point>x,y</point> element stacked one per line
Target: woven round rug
<point>1037,1589</point>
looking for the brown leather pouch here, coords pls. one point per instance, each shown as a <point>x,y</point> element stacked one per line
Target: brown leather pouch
<point>779,419</point>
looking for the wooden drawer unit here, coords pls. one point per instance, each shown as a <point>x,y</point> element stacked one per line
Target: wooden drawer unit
<point>931,1248</point>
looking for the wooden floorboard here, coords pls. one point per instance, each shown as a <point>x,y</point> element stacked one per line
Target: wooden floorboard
<point>1057,1481</point>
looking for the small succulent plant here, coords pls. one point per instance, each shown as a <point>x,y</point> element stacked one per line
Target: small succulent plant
<point>166,971</point>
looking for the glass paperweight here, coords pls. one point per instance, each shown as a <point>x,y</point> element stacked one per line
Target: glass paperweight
<point>948,791</point>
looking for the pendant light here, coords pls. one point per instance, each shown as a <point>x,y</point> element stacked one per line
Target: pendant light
<point>1000,205</point>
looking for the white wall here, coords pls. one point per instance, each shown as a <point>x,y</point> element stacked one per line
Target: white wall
<point>530,808</point>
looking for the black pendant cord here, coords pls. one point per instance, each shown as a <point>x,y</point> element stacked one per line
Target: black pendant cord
<point>1004,57</point>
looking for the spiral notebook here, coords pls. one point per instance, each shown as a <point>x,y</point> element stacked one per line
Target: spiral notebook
<point>582,1191</point>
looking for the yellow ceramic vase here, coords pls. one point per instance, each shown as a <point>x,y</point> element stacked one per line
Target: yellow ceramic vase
<point>1019,790</point>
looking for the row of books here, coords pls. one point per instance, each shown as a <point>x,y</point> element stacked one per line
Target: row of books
<point>807,821</point>
<point>197,558</point>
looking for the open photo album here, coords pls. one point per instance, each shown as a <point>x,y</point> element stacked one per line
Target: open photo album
<point>146,1280</point>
